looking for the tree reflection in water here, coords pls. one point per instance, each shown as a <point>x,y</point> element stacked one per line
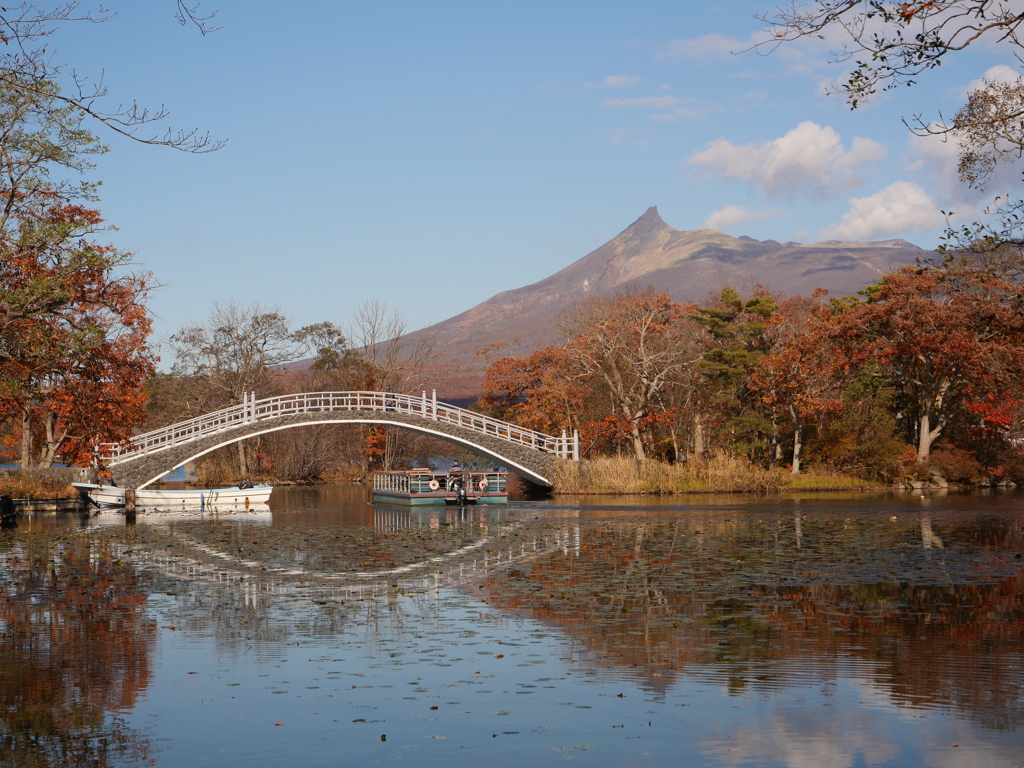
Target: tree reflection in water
<point>930,612</point>
<point>75,647</point>
<point>764,603</point>
<point>926,612</point>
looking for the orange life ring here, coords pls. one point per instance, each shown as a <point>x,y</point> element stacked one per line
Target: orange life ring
<point>434,485</point>
<point>482,485</point>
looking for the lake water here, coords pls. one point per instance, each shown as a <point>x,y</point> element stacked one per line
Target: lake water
<point>815,632</point>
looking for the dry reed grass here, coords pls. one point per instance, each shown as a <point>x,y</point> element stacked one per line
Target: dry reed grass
<point>38,487</point>
<point>715,474</point>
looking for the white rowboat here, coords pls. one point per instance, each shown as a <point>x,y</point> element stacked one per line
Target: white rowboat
<point>222,498</point>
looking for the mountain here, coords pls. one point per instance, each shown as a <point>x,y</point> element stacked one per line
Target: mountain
<point>649,253</point>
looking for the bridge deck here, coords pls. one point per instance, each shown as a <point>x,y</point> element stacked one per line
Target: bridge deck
<point>181,442</point>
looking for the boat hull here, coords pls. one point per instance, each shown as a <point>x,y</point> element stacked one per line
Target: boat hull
<point>422,487</point>
<point>111,496</point>
<point>421,499</point>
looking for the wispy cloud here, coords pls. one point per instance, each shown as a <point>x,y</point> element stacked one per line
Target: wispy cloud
<point>613,82</point>
<point>731,215</point>
<point>623,137</point>
<point>621,81</point>
<point>714,46</point>
<point>808,160</point>
<point>697,111</point>
<point>649,102</point>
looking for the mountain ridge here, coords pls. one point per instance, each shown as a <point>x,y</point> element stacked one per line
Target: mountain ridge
<point>690,265</point>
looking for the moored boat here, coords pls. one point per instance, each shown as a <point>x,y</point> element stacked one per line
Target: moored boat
<point>422,486</point>
<point>237,496</point>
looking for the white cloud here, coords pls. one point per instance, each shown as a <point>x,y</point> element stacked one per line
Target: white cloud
<point>698,112</point>
<point>934,161</point>
<point>623,137</point>
<point>1000,73</point>
<point>803,56</point>
<point>809,160</point>
<point>899,208</point>
<point>651,102</point>
<point>615,81</point>
<point>713,45</point>
<point>621,81</point>
<point>731,215</point>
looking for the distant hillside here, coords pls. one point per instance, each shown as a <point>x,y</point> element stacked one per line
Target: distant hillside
<point>689,265</point>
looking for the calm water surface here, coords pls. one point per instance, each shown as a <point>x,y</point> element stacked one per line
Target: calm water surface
<point>817,632</point>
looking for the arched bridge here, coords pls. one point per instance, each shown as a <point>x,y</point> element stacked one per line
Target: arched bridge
<point>151,455</point>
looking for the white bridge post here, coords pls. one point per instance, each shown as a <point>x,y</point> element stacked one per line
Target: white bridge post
<point>434,404</point>
<point>423,407</point>
<point>575,445</point>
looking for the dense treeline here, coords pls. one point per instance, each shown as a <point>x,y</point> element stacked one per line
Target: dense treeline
<point>917,376</point>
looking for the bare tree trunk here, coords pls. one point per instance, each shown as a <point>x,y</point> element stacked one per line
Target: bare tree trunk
<point>926,436</point>
<point>26,436</point>
<point>638,444</point>
<point>698,437</point>
<point>48,453</point>
<point>798,439</point>
<point>243,465</point>
<point>798,446</point>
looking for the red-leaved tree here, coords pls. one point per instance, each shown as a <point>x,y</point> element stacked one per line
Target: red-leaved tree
<point>950,351</point>
<point>74,350</point>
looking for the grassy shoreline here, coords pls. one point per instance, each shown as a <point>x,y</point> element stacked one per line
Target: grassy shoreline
<point>716,474</point>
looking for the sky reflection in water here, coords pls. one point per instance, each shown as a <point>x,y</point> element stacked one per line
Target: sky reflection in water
<point>816,632</point>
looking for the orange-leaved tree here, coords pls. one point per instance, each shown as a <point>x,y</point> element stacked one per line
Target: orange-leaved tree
<point>618,377</point>
<point>74,350</point>
<point>541,391</point>
<point>800,376</point>
<point>948,352</point>
<point>635,351</point>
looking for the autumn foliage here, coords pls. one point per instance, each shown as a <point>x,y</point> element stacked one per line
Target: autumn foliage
<point>73,336</point>
<point>924,361</point>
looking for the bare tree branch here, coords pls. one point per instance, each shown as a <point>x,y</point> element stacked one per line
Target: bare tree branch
<point>892,43</point>
<point>27,64</point>
<point>190,14</point>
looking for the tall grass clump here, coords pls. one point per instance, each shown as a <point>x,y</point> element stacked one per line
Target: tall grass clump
<point>34,487</point>
<point>715,474</point>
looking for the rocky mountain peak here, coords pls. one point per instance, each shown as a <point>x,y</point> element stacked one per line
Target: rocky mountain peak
<point>690,265</point>
<point>644,230</point>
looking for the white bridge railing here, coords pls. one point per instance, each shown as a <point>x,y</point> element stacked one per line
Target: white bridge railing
<point>252,410</point>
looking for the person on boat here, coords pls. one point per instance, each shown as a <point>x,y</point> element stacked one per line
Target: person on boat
<point>454,475</point>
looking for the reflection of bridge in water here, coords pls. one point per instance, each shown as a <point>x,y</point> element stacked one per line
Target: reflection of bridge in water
<point>496,545</point>
<point>149,456</point>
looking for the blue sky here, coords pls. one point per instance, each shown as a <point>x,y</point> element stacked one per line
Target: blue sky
<point>433,154</point>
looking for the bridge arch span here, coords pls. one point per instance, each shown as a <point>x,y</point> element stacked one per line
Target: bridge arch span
<point>150,456</point>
